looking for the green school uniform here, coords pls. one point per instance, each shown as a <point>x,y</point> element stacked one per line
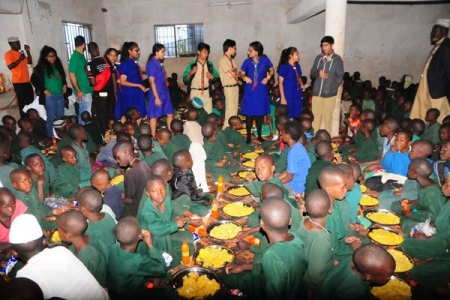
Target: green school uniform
<point>235,138</point>
<point>431,274</point>
<point>93,129</point>
<point>313,175</point>
<point>318,253</point>
<point>387,199</point>
<point>103,230</point>
<point>46,184</point>
<point>4,175</point>
<point>255,186</point>
<point>311,152</point>
<point>284,266</point>
<point>56,159</point>
<point>169,150</point>
<point>33,150</point>
<point>67,181</point>
<point>35,207</point>
<point>215,153</point>
<point>83,164</point>
<point>15,149</point>
<point>202,116</point>
<point>222,139</point>
<point>335,225</point>
<point>164,229</point>
<point>342,283</point>
<point>281,160</point>
<point>127,272</point>
<point>181,141</point>
<point>94,257</point>
<point>151,158</point>
<point>437,245</point>
<point>184,203</point>
<point>431,133</point>
<point>367,150</point>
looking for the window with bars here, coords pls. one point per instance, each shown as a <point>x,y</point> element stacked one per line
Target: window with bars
<point>179,40</point>
<point>71,30</point>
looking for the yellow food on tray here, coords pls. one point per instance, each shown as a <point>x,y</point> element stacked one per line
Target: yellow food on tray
<point>382,217</point>
<point>363,188</point>
<point>243,174</point>
<point>386,237</point>
<point>394,289</point>
<point>225,231</point>
<point>238,209</point>
<point>55,237</point>
<point>402,262</point>
<point>259,151</point>
<point>213,257</point>
<point>250,155</point>
<point>239,191</point>
<point>249,164</point>
<point>197,286</point>
<point>117,180</point>
<point>367,200</point>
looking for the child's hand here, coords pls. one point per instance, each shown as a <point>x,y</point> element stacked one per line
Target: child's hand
<point>180,222</point>
<point>220,164</point>
<point>243,234</point>
<point>195,222</point>
<point>249,177</point>
<point>243,245</point>
<point>147,237</point>
<point>283,101</point>
<point>234,269</point>
<point>420,235</point>
<point>212,188</point>
<point>398,191</point>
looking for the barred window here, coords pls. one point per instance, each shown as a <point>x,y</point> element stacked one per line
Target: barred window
<point>179,40</point>
<point>71,30</point>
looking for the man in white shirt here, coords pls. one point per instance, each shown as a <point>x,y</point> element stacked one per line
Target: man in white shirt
<point>56,270</point>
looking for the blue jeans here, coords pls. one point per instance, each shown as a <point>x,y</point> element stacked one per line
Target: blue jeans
<point>54,105</point>
<point>85,105</point>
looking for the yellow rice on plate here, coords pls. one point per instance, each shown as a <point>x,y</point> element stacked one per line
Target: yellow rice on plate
<point>386,237</point>
<point>250,155</point>
<point>238,209</point>
<point>198,287</point>
<point>382,217</point>
<point>249,164</point>
<point>225,231</point>
<point>213,257</point>
<point>239,191</point>
<point>367,200</point>
<point>402,262</point>
<point>394,289</point>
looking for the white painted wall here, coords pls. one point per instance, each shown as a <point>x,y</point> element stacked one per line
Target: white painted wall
<point>46,28</point>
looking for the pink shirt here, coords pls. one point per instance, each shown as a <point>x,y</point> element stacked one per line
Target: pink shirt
<point>20,209</point>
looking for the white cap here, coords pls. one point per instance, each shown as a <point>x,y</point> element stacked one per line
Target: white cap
<point>12,39</point>
<point>25,228</point>
<point>443,23</point>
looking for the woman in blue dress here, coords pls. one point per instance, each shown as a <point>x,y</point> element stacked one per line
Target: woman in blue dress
<point>132,94</point>
<point>257,70</point>
<point>290,81</point>
<point>159,102</point>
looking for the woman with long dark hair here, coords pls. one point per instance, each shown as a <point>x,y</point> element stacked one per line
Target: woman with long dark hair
<point>290,81</point>
<point>257,70</point>
<point>111,57</point>
<point>159,102</point>
<point>131,80</point>
<point>49,80</point>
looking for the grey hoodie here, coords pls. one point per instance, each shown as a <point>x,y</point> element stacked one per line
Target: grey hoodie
<point>334,68</point>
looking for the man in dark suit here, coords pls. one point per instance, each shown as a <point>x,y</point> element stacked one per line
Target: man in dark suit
<point>434,86</point>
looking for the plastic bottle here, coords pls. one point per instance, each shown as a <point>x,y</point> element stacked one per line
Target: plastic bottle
<point>7,268</point>
<point>405,206</point>
<point>198,230</point>
<point>54,143</point>
<point>185,259</point>
<point>220,184</point>
<point>214,209</point>
<point>252,240</point>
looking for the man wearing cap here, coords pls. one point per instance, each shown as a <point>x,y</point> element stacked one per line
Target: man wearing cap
<point>18,62</point>
<point>79,77</point>
<point>434,86</point>
<point>56,270</point>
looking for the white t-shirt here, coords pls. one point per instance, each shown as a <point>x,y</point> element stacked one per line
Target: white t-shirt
<point>60,274</point>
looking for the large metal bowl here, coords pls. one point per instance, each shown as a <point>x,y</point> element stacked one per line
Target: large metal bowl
<point>230,189</point>
<point>234,203</point>
<point>393,278</point>
<point>372,228</point>
<point>177,280</point>
<point>212,226</point>
<point>373,210</point>
<point>201,263</point>
<point>407,256</point>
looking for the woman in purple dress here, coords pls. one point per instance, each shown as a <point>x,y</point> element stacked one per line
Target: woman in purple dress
<point>159,103</point>
<point>132,94</point>
<point>257,70</point>
<point>290,81</point>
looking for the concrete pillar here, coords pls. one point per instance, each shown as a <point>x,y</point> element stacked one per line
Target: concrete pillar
<point>335,17</point>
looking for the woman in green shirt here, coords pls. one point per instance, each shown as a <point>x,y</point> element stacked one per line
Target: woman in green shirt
<point>49,80</point>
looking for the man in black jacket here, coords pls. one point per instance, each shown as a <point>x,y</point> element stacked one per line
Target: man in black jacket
<point>434,87</point>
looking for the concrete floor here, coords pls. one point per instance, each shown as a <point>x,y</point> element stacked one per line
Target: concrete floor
<point>8,108</point>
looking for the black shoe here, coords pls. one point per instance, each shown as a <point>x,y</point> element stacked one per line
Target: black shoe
<point>249,140</point>
<point>261,139</point>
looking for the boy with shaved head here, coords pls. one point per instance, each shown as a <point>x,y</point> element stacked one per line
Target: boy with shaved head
<point>164,138</point>
<point>92,253</point>
<point>101,225</point>
<point>67,179</point>
<point>351,278</point>
<point>325,155</point>
<point>145,144</point>
<point>111,194</point>
<point>132,263</point>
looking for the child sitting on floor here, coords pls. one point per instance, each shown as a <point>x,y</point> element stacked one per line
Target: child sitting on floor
<point>367,149</point>
<point>92,128</point>
<point>79,135</point>
<point>145,144</point>
<point>101,225</point>
<point>164,138</point>
<point>67,179</point>
<point>417,127</point>
<point>112,196</point>
<point>41,179</point>
<point>6,167</point>
<point>134,116</point>
<point>133,261</point>
<point>92,253</point>
<point>181,140</point>
<point>39,124</point>
<point>325,156</point>
<point>353,122</point>
<point>234,138</point>
<point>280,148</point>
<point>218,106</point>
<point>431,132</point>
<point>157,217</point>
<point>192,128</point>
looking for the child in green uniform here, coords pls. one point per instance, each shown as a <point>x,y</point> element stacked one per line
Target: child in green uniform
<point>67,180</point>
<point>92,128</point>
<point>318,251</point>
<point>134,116</point>
<point>111,194</point>
<point>101,225</point>
<point>145,145</point>
<point>128,127</point>
<point>334,182</point>
<point>181,140</point>
<point>27,193</point>
<point>325,156</point>
<point>367,148</point>
<point>39,175</point>
<point>431,132</point>
<point>430,199</point>
<point>79,135</point>
<point>352,277</point>
<point>133,261</point>
<point>218,106</point>
<point>215,154</point>
<point>92,253</point>
<point>5,167</point>
<point>164,138</point>
<point>10,124</point>
<point>235,138</point>
<point>220,135</point>
<point>157,216</point>
<point>280,149</point>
